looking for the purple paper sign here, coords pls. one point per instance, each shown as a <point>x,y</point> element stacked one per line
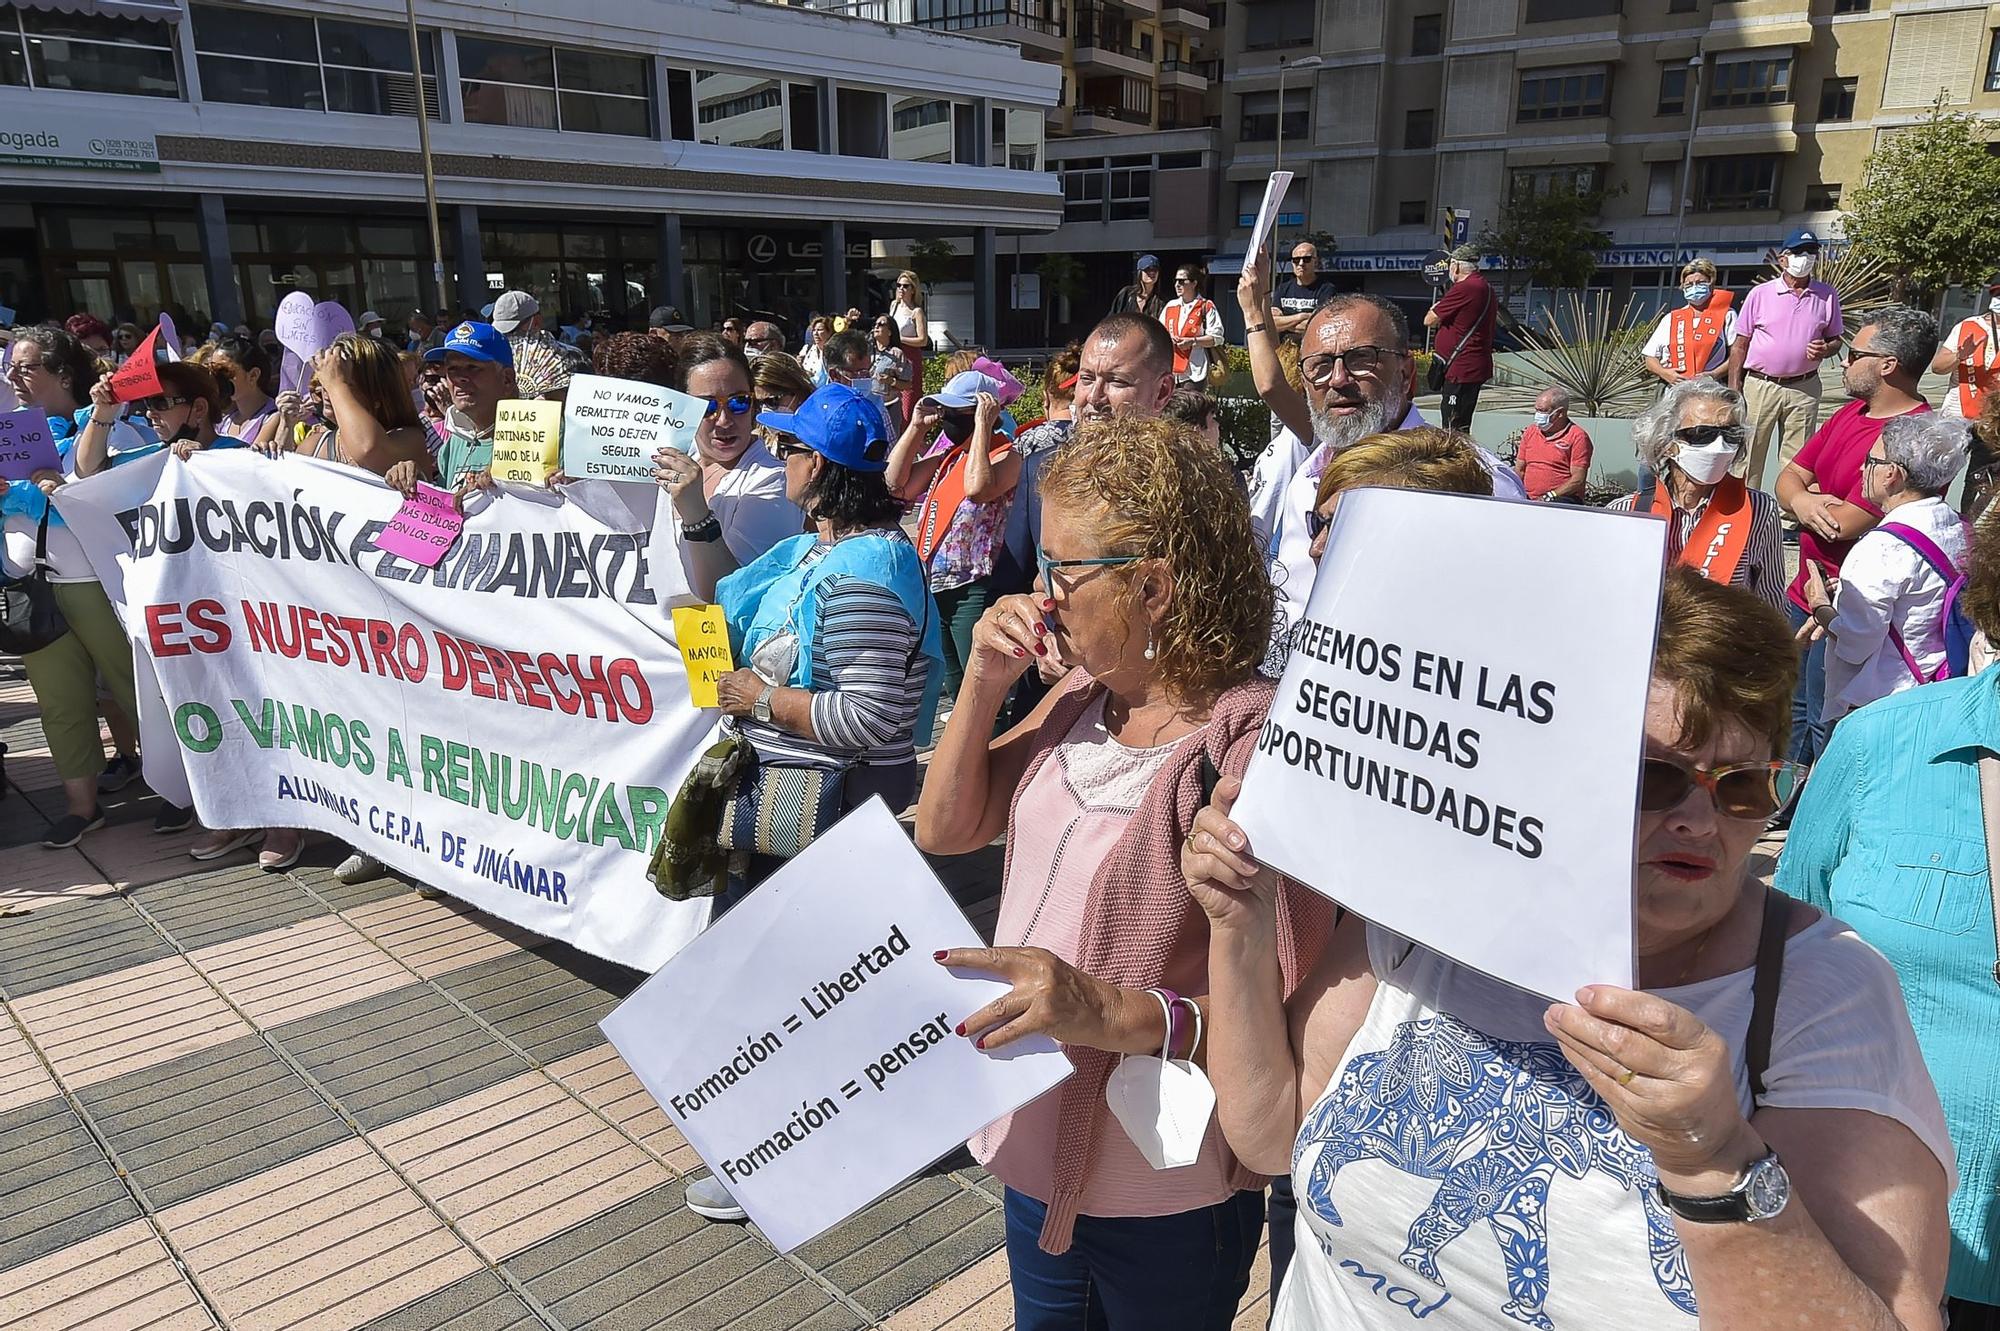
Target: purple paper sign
<point>309,329</point>
<point>26,446</point>
<point>170,338</point>
<point>291,373</point>
<point>424,527</point>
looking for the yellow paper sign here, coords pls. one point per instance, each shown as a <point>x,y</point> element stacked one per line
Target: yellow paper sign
<point>527,441</point>
<point>703,636</point>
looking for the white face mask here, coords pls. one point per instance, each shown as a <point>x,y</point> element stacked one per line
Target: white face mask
<point>1799,265</point>
<point>1163,1103</point>
<point>1993,305</point>
<point>1707,464</point>
<point>1696,293</point>
<point>1542,419</point>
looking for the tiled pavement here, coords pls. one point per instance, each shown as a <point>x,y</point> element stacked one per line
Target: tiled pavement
<point>256,1101</point>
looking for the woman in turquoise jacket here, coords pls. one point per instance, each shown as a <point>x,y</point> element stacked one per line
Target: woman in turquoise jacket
<point>1890,837</point>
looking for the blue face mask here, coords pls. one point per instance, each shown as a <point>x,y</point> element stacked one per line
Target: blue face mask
<point>1697,292</point>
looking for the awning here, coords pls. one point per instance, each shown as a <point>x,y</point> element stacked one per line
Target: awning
<point>160,11</point>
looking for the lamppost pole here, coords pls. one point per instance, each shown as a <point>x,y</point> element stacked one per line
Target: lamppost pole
<point>424,149</point>
<point>1278,156</point>
<point>1697,67</point>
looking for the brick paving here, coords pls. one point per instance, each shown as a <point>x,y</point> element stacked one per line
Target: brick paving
<point>237,1099</point>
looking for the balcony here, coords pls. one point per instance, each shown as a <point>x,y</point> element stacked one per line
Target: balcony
<point>1098,52</point>
<point>1146,8</point>
<point>1036,25</point>
<point>1187,15</point>
<point>1184,75</point>
<point>1110,120</point>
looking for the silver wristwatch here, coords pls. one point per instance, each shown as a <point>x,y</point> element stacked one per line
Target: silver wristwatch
<point>1762,1193</point>
<point>761,709</point>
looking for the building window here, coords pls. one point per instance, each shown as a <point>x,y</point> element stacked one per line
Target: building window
<point>1420,128</point>
<point>1535,181</point>
<point>258,58</point>
<point>1660,177</point>
<point>1850,6</point>
<point>1673,90</point>
<point>1736,184</point>
<point>1993,62</point>
<point>1683,6</point>
<point>1556,11</point>
<point>1250,195</point>
<point>1260,115</point>
<point>1561,94</point>
<point>1413,212</point>
<point>1272,23</point>
<point>1427,34</point>
<point>802,108</point>
<point>1765,81</point>
<point>544,87</point>
<point>1836,99</point>
<point>87,53</point>
<point>1042,16</point>
<point>1131,189</point>
<point>1823,199</point>
<point>863,122</point>
<point>1084,184</point>
<point>739,110</point>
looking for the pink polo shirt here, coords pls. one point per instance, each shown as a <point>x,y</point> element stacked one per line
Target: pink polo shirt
<point>1780,321</point>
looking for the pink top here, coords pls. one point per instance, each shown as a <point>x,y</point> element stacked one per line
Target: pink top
<point>1069,817</point>
<point>1780,321</point>
<point>1547,463</point>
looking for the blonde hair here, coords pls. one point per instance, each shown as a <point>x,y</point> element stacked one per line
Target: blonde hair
<point>1701,267</point>
<point>1421,459</point>
<point>378,380</point>
<point>778,374</point>
<point>916,301</point>
<point>1154,488</point>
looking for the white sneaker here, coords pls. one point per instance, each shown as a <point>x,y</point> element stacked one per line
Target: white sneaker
<point>707,1198</point>
<point>217,844</point>
<point>358,868</point>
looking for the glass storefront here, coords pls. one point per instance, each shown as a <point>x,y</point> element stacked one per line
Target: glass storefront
<point>608,271</point>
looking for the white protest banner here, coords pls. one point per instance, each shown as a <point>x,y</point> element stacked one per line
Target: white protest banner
<point>510,725</point>
<point>804,1045</point>
<point>1267,211</point>
<point>612,427</point>
<point>1458,760</point>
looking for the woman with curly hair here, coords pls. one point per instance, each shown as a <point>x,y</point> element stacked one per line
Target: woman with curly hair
<point>1983,467</point>
<point>1153,593</point>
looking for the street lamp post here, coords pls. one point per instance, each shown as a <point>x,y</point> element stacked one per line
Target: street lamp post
<point>1696,67</point>
<point>424,150</point>
<point>1310,62</point>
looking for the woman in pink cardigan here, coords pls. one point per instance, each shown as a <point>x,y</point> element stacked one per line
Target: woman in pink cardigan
<point>1153,598</point>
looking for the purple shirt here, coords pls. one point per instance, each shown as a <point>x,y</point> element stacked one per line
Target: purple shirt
<point>1780,321</point>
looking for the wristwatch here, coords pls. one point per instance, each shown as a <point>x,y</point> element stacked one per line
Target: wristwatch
<point>761,709</point>
<point>1762,1193</point>
<point>708,529</point>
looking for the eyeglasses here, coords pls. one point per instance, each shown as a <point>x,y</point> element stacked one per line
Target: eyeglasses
<point>767,340</point>
<point>737,404</point>
<point>1700,436</point>
<point>19,367</point>
<point>1047,567</point>
<point>1872,461</point>
<point>1740,790</point>
<point>153,406</point>
<point>1315,524</point>
<point>1362,362</point>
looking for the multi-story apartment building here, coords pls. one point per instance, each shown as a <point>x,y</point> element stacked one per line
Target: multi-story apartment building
<point>1717,124</point>
<point>608,155</point>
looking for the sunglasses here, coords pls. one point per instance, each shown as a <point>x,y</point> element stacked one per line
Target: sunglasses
<point>786,449</point>
<point>737,403</point>
<point>1740,790</point>
<point>1315,524</point>
<point>1048,566</point>
<point>1700,436</point>
<point>1853,354</point>
<point>1305,258</point>
<point>154,405</point>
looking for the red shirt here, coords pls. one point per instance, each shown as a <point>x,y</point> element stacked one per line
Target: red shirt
<point>1465,314</point>
<point>1549,464</point>
<point>1832,457</point>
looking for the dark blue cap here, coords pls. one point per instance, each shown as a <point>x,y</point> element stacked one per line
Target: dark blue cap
<point>478,341</point>
<point>839,424</point>
<point>1801,240</point>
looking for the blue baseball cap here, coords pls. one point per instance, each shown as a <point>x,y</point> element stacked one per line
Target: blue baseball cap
<point>1801,240</point>
<point>478,341</point>
<point>839,424</point>
<point>1146,262</point>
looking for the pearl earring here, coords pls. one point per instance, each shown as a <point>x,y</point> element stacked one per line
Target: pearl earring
<point>1149,644</point>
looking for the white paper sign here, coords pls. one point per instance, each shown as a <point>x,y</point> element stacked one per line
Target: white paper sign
<point>612,427</point>
<point>804,1044</point>
<point>1267,211</point>
<point>1458,760</point>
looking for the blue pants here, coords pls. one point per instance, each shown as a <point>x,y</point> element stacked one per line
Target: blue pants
<point>1809,732</point>
<point>1183,1272</point>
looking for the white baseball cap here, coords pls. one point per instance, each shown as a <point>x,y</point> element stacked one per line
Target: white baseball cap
<point>513,309</point>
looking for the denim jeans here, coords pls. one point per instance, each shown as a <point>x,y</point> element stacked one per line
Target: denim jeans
<point>1809,732</point>
<point>1183,1272</point>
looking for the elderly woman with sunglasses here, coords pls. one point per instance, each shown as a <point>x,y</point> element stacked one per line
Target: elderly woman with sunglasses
<point>741,508</point>
<point>1747,1140</point>
<point>53,372</point>
<point>1716,525</point>
<point>1152,593</point>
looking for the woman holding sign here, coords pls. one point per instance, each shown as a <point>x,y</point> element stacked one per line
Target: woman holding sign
<point>1750,1140</point>
<point>1152,593</point>
<point>371,421</point>
<point>743,487</point>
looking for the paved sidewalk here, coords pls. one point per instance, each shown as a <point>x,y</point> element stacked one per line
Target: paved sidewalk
<point>250,1100</point>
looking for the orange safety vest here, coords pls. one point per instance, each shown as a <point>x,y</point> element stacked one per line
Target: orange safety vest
<point>1716,545</point>
<point>942,501</point>
<point>1192,320</point>
<point>1692,333</point>
<point>1972,377</point>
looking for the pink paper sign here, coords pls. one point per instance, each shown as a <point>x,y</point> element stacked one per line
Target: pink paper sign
<point>26,446</point>
<point>424,527</point>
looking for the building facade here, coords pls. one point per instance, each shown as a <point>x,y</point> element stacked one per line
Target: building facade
<point>1718,125</point>
<point>726,157</point>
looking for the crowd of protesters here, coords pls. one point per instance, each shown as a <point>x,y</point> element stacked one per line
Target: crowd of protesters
<point>1790,1121</point>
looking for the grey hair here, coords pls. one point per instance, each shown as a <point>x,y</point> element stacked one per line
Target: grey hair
<point>1557,394</point>
<point>1929,447</point>
<point>1906,333</point>
<point>1460,267</point>
<point>1653,431</point>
